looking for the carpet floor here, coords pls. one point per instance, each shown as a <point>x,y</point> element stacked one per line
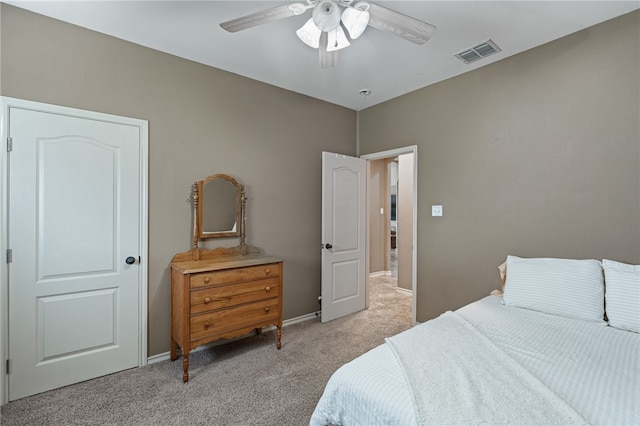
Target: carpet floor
<point>244,382</point>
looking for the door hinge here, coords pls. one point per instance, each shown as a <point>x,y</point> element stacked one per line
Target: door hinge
<point>9,144</point>
<point>8,367</point>
<point>9,255</point>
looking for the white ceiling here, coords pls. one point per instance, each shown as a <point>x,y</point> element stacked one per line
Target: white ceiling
<point>387,65</point>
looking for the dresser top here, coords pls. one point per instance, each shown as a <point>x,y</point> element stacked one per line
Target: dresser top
<point>194,266</point>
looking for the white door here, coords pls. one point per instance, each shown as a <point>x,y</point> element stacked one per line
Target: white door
<point>74,219</point>
<point>344,182</point>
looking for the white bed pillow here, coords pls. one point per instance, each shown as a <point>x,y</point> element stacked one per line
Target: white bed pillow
<point>622,294</point>
<point>566,287</point>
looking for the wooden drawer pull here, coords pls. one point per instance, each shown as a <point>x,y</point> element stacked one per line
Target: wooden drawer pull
<point>206,280</point>
<point>267,310</point>
<point>267,289</point>
<point>207,300</point>
<point>267,271</point>
<point>207,324</point>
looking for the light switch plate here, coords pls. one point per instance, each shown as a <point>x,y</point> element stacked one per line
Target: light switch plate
<point>436,210</point>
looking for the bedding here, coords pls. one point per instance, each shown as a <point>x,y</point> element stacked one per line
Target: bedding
<point>567,287</point>
<point>478,389</point>
<point>585,370</point>
<point>623,295</point>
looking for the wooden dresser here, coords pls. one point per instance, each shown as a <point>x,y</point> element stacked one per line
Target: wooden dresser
<point>222,298</point>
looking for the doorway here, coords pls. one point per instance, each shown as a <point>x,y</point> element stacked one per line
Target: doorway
<point>392,217</point>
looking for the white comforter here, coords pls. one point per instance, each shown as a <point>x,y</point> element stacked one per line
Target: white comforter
<point>590,367</point>
<point>466,379</point>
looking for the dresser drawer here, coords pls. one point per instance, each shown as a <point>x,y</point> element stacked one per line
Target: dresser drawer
<point>229,276</point>
<point>212,298</point>
<point>226,320</point>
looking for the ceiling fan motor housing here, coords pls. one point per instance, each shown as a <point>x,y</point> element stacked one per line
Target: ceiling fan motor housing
<point>326,15</point>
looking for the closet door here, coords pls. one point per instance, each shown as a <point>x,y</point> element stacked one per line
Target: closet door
<point>74,226</point>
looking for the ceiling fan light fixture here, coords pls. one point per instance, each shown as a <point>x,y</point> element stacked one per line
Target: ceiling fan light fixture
<point>309,33</point>
<point>355,19</point>
<point>337,40</point>
<point>326,15</point>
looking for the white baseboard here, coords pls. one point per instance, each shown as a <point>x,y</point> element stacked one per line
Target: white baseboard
<point>380,274</point>
<point>404,290</point>
<point>167,355</point>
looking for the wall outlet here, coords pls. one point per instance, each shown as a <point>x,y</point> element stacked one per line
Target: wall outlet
<point>436,210</point>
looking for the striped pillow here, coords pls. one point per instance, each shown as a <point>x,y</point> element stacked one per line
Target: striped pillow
<point>566,287</point>
<point>622,295</point>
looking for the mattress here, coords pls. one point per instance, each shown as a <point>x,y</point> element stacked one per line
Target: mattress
<point>592,367</point>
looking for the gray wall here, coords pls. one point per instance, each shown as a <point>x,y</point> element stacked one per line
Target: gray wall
<point>379,230</point>
<point>404,214</point>
<point>202,121</point>
<point>534,155</point>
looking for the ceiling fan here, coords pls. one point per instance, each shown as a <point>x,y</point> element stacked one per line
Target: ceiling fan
<point>325,30</point>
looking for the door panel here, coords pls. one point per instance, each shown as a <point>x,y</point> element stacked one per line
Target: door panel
<point>345,280</point>
<point>63,247</point>
<point>343,233</point>
<point>95,332</point>
<point>74,216</point>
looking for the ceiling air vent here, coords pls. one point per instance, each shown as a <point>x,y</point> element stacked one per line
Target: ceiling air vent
<point>478,51</point>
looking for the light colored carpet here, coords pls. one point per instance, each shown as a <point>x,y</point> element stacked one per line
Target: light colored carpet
<point>246,382</point>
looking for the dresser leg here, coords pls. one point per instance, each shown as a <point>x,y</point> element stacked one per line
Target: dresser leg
<point>173,356</point>
<point>278,336</point>
<point>185,368</point>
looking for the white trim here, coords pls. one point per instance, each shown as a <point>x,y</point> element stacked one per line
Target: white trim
<point>165,356</point>
<point>302,318</point>
<point>4,291</point>
<point>412,149</point>
<point>144,243</point>
<point>404,290</point>
<point>143,125</point>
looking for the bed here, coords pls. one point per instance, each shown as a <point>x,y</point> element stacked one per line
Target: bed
<point>542,353</point>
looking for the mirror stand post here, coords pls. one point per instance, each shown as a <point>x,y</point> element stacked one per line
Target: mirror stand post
<point>243,221</point>
<point>194,198</point>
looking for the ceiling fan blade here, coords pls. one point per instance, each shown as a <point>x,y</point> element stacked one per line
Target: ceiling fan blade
<point>326,59</point>
<point>259,18</point>
<point>404,26</point>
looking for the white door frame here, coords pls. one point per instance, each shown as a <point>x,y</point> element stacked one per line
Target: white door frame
<point>143,125</point>
<point>413,149</point>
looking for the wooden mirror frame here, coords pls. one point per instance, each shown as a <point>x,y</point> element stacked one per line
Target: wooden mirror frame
<point>198,210</point>
<point>199,195</point>
<point>198,254</point>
